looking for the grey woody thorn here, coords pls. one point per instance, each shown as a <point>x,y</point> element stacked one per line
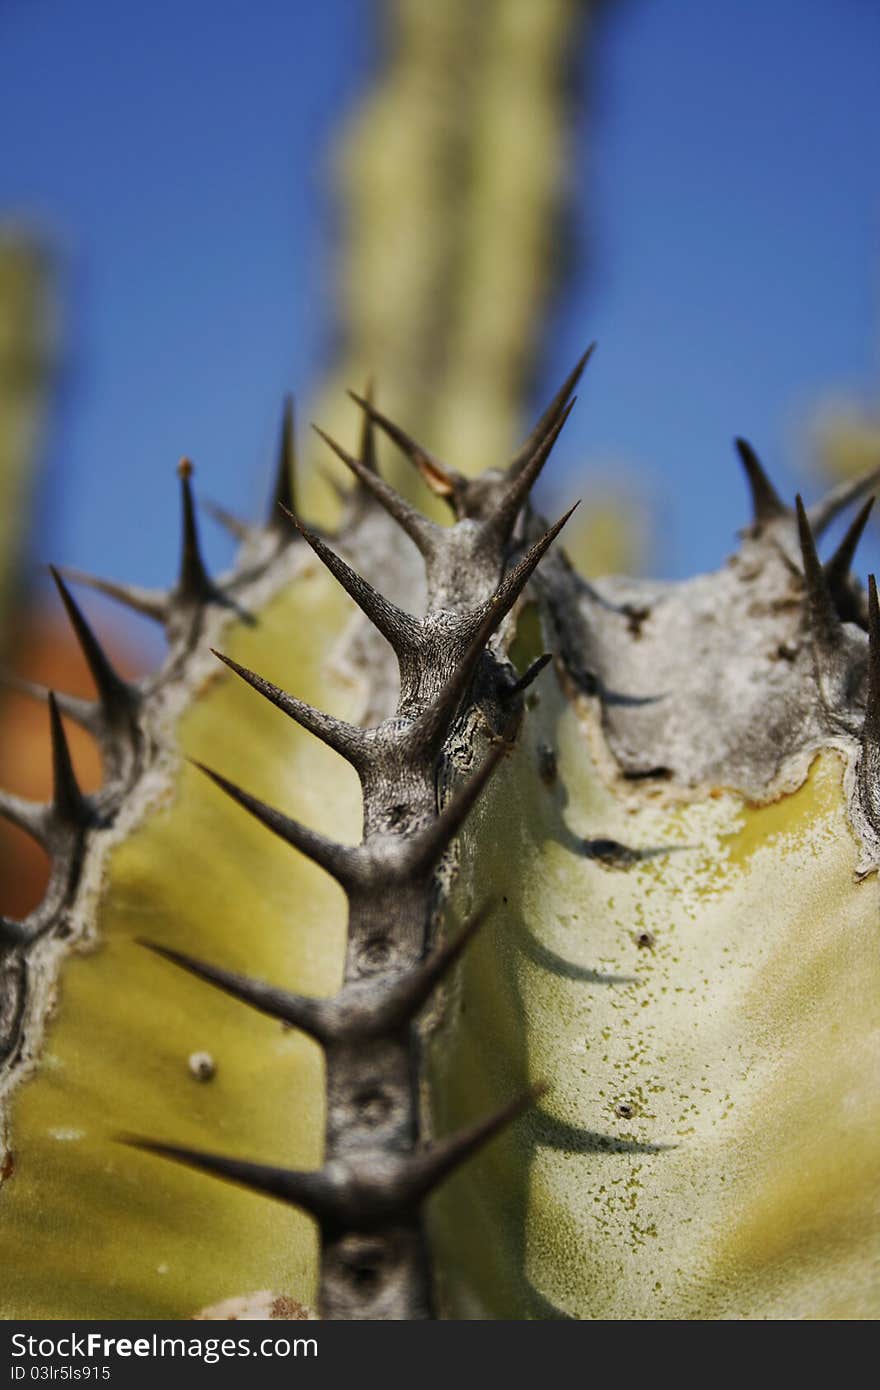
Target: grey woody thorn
<point>313,1191</point>
<point>431,724</point>
<point>838,568</point>
<point>360,1012</point>
<point>194,584</point>
<point>518,485</point>
<point>312,1016</point>
<point>346,739</point>
<point>360,1194</point>
<point>467,497</point>
<point>396,626</point>
<point>345,863</point>
<point>767,505</point>
<point>352,742</point>
<point>69,809</point>
<point>823,512</point>
<point>549,420</point>
<point>118,700</point>
<point>359,867</point>
<point>514,582</point>
<point>284,495</point>
<point>425,534</point>
<point>442,480</point>
<point>194,588</point>
<point>424,852</point>
<point>825,625</point>
<point>283,498</point>
<point>402,999</point>
<point>69,806</point>
<point>429,1167</point>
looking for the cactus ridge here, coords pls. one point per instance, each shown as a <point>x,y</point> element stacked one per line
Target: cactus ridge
<point>419,784</point>
<point>387,880</point>
<point>391,968</point>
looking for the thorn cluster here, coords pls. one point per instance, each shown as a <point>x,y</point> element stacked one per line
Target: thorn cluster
<point>368,1186</point>
<point>377,1174</point>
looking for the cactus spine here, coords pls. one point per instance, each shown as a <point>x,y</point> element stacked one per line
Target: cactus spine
<point>776,619</point>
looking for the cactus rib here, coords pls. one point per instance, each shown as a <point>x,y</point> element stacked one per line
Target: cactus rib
<point>425,766</point>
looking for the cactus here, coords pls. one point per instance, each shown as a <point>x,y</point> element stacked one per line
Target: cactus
<point>444,293</point>
<point>27,350</point>
<point>580,1026</point>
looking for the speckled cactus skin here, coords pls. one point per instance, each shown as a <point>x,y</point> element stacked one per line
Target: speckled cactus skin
<point>580,1026</point>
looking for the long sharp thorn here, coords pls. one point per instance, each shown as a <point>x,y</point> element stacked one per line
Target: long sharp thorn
<point>68,803</point>
<point>195,587</point>
<point>426,1170</point>
<point>425,852</point>
<point>512,584</point>
<point>551,415</point>
<point>837,569</point>
<point>435,719</point>
<point>767,505</point>
<point>397,627</point>
<point>152,603</point>
<point>311,1191</point>
<point>824,622</point>
<point>284,500</point>
<point>296,1009</point>
<point>404,998</point>
<point>524,479</point>
<point>116,696</point>
<point>822,513</point>
<point>346,739</point>
<point>194,583</point>
<point>871,726</point>
<point>442,480</point>
<point>420,530</point>
<point>340,861</point>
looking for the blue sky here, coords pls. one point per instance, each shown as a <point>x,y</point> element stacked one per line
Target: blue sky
<point>176,157</point>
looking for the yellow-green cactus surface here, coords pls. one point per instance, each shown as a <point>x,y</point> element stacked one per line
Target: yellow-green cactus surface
<point>707,1021</point>
<point>88,1228</point>
<point>542,916</point>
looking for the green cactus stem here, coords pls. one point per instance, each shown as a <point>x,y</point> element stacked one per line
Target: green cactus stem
<point>585,975</point>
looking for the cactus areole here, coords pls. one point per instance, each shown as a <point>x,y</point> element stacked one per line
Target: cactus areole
<point>584,1023</point>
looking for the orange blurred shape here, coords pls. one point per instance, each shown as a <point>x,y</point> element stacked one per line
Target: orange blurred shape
<point>46,652</point>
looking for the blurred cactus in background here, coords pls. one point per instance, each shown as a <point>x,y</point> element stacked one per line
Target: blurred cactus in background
<point>28,642</point>
<point>847,438</point>
<point>562,893</point>
<point>845,430</point>
<point>27,356</point>
<point>454,179</point>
